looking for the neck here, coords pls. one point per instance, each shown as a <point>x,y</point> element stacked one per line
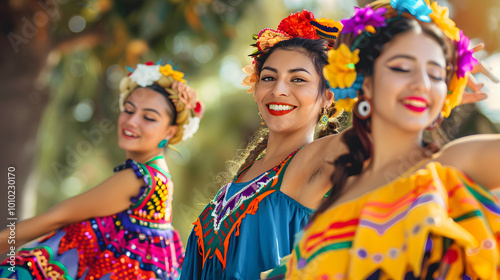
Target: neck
<point>280,145</point>
<point>394,149</point>
<point>142,157</point>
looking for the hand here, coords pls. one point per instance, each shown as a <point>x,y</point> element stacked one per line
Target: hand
<point>472,83</point>
<point>187,95</point>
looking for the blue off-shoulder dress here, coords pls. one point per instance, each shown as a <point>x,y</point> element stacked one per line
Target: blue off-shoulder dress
<point>246,229</point>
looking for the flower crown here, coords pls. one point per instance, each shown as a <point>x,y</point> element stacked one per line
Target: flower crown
<point>189,109</point>
<point>341,69</point>
<point>297,25</point>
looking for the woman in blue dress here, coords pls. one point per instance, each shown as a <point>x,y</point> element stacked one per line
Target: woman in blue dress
<point>251,222</point>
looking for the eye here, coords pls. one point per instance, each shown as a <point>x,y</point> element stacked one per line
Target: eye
<point>149,119</point>
<point>298,80</point>
<point>437,74</point>
<point>267,79</point>
<point>127,111</point>
<point>399,69</point>
<point>437,78</point>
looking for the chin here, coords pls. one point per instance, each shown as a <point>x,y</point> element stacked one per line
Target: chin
<point>124,146</point>
<point>413,127</point>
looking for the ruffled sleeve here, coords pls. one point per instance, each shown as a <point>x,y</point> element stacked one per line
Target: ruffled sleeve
<point>141,172</point>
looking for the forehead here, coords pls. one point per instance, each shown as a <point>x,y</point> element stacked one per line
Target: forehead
<point>289,59</point>
<point>414,44</point>
<point>146,97</point>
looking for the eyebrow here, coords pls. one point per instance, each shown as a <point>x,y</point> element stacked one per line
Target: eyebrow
<point>300,69</point>
<point>147,109</point>
<point>413,58</point>
<point>130,103</point>
<point>152,110</point>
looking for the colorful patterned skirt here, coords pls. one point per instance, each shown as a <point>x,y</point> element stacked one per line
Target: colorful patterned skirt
<point>109,247</point>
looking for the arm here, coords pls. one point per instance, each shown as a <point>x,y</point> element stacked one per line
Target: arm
<point>110,197</point>
<point>307,178</point>
<point>478,156</point>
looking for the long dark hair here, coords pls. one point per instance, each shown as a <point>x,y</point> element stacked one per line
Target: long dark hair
<point>358,140</point>
<point>316,49</point>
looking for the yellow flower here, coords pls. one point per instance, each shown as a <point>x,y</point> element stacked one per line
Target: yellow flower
<point>345,104</point>
<point>341,70</point>
<point>167,70</point>
<point>251,79</point>
<point>269,38</point>
<point>440,16</point>
<point>454,97</point>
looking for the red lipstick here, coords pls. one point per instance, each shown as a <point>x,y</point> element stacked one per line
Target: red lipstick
<point>280,108</point>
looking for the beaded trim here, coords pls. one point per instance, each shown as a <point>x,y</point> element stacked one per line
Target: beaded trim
<point>149,207</point>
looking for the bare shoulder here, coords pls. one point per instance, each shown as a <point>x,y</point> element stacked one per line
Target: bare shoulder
<point>127,179</point>
<point>477,156</point>
<point>460,151</point>
<point>328,147</point>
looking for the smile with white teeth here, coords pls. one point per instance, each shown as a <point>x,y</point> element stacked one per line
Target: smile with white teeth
<point>129,133</point>
<point>415,103</point>
<point>277,107</point>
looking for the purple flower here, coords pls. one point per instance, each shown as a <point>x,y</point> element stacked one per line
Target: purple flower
<point>364,18</point>
<point>465,60</point>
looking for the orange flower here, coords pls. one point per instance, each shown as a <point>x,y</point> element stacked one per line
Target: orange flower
<point>440,16</point>
<point>455,93</point>
<point>268,38</point>
<point>251,79</point>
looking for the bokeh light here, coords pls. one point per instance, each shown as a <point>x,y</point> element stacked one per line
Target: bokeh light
<point>76,24</point>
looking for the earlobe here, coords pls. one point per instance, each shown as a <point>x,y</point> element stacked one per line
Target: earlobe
<point>367,87</point>
<point>329,97</point>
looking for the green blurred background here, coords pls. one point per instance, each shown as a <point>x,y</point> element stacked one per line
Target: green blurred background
<point>61,62</point>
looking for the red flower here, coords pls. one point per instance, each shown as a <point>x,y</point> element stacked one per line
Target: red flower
<point>198,109</point>
<point>298,25</point>
<point>149,63</point>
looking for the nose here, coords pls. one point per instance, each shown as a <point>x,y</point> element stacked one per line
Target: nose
<point>421,81</point>
<point>132,120</point>
<point>281,88</point>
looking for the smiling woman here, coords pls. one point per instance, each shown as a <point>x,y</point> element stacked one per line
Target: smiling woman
<point>405,65</point>
<point>122,228</point>
<point>287,93</point>
<point>251,222</point>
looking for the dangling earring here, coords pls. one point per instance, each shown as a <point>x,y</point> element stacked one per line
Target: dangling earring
<point>163,143</point>
<point>324,118</point>
<point>262,122</point>
<point>363,108</point>
<point>435,123</point>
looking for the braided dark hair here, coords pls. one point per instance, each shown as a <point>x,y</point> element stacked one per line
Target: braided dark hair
<point>316,49</point>
<point>358,140</point>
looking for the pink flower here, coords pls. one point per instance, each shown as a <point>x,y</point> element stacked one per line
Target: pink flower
<point>465,60</point>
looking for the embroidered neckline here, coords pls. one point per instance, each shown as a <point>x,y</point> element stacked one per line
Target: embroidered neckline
<point>224,208</point>
<point>214,241</point>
